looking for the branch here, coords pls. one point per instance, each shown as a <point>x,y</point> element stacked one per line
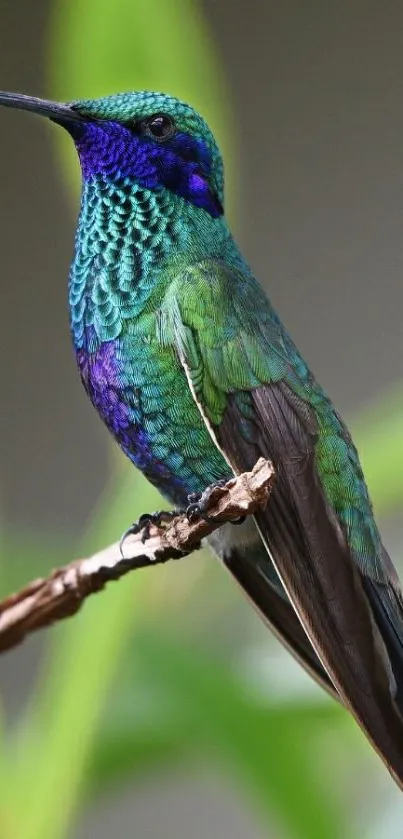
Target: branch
<point>44,601</point>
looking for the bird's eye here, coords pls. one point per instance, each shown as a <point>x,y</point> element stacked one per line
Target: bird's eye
<point>159,126</point>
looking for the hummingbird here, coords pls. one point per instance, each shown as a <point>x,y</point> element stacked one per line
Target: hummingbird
<point>189,366</point>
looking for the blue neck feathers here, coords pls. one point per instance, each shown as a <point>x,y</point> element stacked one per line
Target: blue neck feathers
<point>114,151</point>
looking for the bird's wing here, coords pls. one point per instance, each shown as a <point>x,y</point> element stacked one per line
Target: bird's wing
<point>257,398</point>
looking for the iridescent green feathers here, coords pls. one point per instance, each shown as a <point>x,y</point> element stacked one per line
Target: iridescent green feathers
<point>190,368</point>
<point>147,259</point>
<point>230,340</point>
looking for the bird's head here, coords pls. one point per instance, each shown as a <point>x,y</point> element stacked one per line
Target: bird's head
<point>151,139</point>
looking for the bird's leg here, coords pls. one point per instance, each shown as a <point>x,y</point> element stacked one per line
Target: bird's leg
<point>198,503</point>
<point>196,508</point>
<point>143,524</point>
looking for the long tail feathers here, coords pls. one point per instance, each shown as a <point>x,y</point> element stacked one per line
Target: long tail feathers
<point>251,567</point>
<point>354,623</point>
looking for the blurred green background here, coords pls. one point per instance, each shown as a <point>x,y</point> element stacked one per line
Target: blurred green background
<point>165,708</point>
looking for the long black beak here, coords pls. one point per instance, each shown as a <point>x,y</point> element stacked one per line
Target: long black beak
<point>56,111</point>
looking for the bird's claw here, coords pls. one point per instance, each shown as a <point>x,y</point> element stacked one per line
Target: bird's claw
<point>143,525</point>
<point>198,502</point>
<point>195,511</point>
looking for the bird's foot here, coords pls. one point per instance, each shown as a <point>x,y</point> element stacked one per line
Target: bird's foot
<point>199,501</point>
<point>143,525</point>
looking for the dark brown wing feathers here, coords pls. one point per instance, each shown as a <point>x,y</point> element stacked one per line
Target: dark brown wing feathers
<point>333,599</point>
